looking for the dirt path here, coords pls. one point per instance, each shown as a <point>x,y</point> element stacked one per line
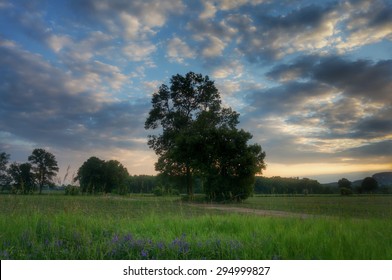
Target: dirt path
<point>260,212</point>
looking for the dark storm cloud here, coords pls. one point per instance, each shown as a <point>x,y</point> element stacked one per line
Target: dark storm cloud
<point>41,103</point>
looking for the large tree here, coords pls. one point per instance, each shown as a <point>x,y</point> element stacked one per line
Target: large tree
<point>175,109</point>
<point>44,166</point>
<point>194,126</point>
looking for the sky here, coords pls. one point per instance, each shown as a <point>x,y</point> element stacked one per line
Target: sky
<point>312,80</point>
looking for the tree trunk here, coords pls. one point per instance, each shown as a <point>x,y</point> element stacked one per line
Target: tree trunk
<point>189,182</point>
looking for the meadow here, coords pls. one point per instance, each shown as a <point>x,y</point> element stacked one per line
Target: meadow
<point>148,227</point>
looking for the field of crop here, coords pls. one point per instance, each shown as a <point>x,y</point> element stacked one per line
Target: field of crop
<point>147,227</point>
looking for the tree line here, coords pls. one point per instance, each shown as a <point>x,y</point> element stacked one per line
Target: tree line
<point>367,185</point>
<point>97,176</point>
<point>28,177</point>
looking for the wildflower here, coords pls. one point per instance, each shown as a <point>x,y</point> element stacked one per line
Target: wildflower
<point>58,243</point>
<point>160,245</point>
<point>115,238</point>
<point>144,253</point>
<point>4,255</point>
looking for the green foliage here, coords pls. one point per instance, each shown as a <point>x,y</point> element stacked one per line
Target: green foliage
<point>72,190</point>
<point>344,183</point>
<point>232,165</point>
<point>141,183</point>
<point>346,191</point>
<point>99,176</point>
<point>44,166</point>
<point>281,185</point>
<point>158,191</point>
<point>175,109</point>
<point>345,187</point>
<point>22,178</point>
<point>105,227</point>
<point>369,185</point>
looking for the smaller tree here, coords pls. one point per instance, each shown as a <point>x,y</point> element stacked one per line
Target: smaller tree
<point>90,175</point>
<point>22,178</point>
<point>44,165</point>
<point>345,186</point>
<point>369,184</point>
<point>96,175</point>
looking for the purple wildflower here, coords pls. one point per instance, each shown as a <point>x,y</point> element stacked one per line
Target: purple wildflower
<point>144,253</point>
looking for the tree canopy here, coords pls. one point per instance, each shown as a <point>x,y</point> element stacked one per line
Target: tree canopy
<point>369,184</point>
<point>22,178</point>
<point>44,166</point>
<point>99,176</point>
<point>200,138</point>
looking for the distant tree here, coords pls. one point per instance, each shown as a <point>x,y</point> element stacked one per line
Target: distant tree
<point>4,179</point>
<point>91,176</point>
<point>142,183</point>
<point>22,178</point>
<point>344,183</point>
<point>345,186</point>
<point>369,184</point>
<point>44,167</point>
<point>96,175</point>
<point>115,176</point>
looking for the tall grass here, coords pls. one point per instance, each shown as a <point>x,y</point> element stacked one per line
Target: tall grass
<point>42,227</point>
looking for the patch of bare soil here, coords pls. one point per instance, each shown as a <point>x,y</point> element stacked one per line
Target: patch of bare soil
<point>259,212</point>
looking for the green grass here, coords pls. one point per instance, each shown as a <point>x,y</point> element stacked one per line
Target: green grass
<point>83,227</point>
<point>366,206</point>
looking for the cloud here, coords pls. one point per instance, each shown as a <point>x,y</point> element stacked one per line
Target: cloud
<point>137,19</point>
<point>59,42</point>
<point>139,51</point>
<point>214,47</point>
<point>178,50</point>
<point>367,24</point>
<point>225,69</point>
<point>357,78</point>
<point>209,11</point>
<point>327,106</point>
<point>264,35</point>
<point>39,104</point>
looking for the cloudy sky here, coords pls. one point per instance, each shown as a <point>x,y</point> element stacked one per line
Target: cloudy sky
<point>312,80</point>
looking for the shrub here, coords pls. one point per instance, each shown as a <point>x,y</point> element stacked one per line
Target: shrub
<point>72,190</point>
<point>346,191</point>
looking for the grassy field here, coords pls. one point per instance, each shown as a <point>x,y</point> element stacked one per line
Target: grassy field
<point>146,227</point>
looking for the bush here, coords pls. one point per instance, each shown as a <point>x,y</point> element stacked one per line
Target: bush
<point>72,190</point>
<point>346,191</point>
<point>158,191</point>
